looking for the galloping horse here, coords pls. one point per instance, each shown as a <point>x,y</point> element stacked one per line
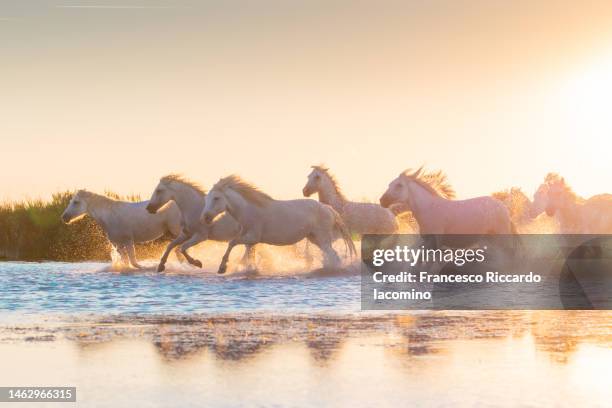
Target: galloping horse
<point>540,197</point>
<point>275,222</point>
<point>575,214</point>
<point>190,199</point>
<point>430,199</point>
<point>361,218</point>
<point>125,223</point>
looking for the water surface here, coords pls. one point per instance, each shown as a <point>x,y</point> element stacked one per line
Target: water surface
<point>190,338</point>
<point>91,288</point>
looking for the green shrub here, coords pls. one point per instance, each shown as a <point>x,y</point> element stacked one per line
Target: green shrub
<point>33,231</point>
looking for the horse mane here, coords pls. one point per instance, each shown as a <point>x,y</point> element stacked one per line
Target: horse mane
<point>515,200</point>
<point>435,182</point>
<point>502,195</point>
<point>325,170</point>
<point>513,192</point>
<point>177,178</point>
<point>247,190</point>
<point>554,179</point>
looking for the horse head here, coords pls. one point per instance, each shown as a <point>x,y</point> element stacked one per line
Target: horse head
<point>215,204</point>
<point>161,195</point>
<point>77,207</point>
<point>313,185</point>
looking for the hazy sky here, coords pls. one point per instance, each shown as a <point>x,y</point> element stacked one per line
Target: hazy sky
<point>114,94</point>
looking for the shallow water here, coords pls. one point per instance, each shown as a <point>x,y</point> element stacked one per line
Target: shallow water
<point>507,359</point>
<point>190,338</point>
<point>91,288</point>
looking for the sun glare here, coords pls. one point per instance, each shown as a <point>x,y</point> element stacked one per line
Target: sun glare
<point>586,118</point>
<point>589,97</point>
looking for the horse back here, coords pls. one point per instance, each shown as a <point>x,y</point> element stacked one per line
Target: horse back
<point>369,218</point>
<point>479,215</point>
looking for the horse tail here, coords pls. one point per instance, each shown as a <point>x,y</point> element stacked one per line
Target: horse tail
<point>344,233</point>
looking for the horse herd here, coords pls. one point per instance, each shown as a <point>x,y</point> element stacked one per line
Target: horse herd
<point>237,212</point>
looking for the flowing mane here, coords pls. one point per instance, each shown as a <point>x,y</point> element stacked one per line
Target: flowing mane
<point>434,182</point>
<point>325,170</point>
<point>515,200</point>
<point>511,194</point>
<point>555,181</point>
<point>247,190</point>
<point>553,178</point>
<point>177,178</point>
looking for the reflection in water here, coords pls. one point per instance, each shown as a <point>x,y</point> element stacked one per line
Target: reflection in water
<point>541,358</point>
<point>235,337</point>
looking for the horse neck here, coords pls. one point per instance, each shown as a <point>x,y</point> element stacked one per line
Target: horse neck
<point>329,194</point>
<point>237,205</point>
<point>521,204</point>
<point>188,198</point>
<point>98,208</point>
<point>421,200</point>
<point>570,211</point>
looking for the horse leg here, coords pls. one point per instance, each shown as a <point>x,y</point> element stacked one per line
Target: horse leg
<point>230,246</point>
<point>182,237</point>
<point>179,255</point>
<point>306,254</point>
<point>330,256</point>
<point>195,239</point>
<point>249,255</point>
<point>131,251</point>
<point>122,250</point>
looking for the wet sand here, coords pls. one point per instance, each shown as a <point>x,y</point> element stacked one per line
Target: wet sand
<point>536,359</point>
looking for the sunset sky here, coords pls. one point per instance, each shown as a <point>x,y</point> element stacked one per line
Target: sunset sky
<point>114,94</point>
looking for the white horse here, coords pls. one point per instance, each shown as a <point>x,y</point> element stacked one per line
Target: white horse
<point>190,198</point>
<point>540,198</point>
<point>125,223</point>
<point>430,199</point>
<point>274,222</point>
<point>575,214</point>
<point>360,218</point>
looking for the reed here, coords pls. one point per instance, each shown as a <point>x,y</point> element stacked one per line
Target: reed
<point>32,230</point>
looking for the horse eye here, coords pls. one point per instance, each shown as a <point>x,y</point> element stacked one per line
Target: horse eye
<point>216,199</point>
<point>317,177</point>
<point>397,187</point>
<point>76,202</point>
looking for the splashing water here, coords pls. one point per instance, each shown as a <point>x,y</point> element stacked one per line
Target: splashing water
<point>283,282</point>
<point>52,288</point>
<point>116,263</point>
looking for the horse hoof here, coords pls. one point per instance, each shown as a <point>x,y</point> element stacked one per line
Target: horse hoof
<point>161,268</point>
<point>222,269</point>
<point>197,263</point>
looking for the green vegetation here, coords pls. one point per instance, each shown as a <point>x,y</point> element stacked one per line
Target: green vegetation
<point>33,231</point>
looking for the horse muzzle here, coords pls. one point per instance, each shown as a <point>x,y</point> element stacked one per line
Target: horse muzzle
<point>306,192</point>
<point>66,219</point>
<point>550,211</point>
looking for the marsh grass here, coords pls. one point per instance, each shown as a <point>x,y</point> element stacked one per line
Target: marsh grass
<point>32,230</point>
